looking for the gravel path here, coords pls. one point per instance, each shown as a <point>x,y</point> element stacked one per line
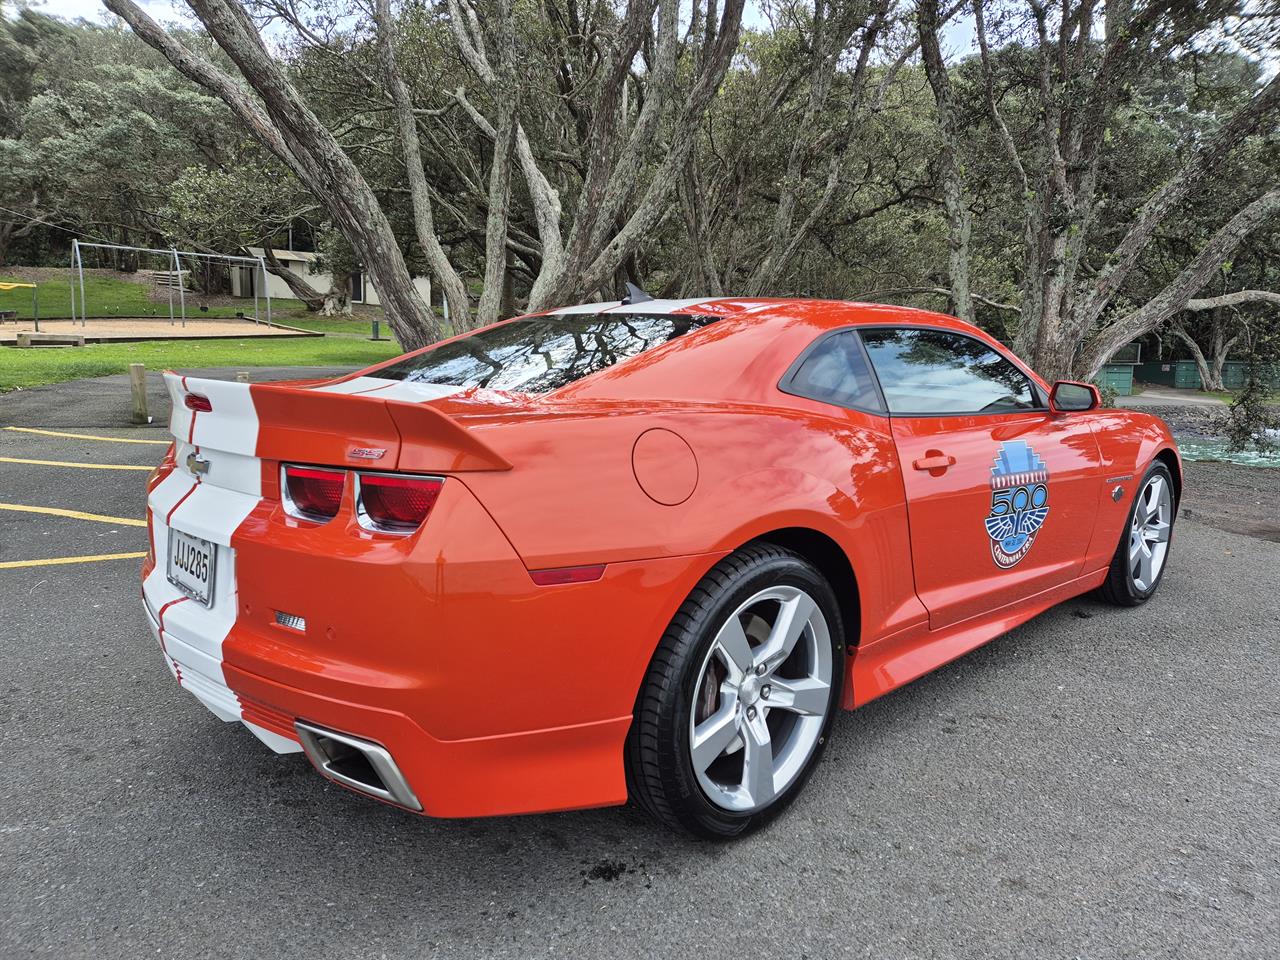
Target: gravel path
<point>1231,496</point>
<point>129,329</point>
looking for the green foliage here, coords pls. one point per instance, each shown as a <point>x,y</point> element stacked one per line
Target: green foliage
<point>1109,394</point>
<point>250,198</point>
<point>1254,422</point>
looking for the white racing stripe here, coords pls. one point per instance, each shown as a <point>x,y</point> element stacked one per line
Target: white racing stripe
<point>658,306</point>
<point>384,389</point>
<point>211,507</point>
<point>233,425</point>
<point>179,416</point>
<point>589,307</point>
<point>358,385</point>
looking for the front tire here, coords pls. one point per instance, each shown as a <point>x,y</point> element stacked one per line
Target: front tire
<point>1143,553</point>
<point>740,695</point>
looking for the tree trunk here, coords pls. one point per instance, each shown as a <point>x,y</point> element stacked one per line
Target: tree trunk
<point>787,237</point>
<point>959,216</point>
<point>286,125</point>
<point>1083,76</point>
<point>1249,118</point>
<point>1202,365</point>
<point>702,271</point>
<point>298,286</point>
<point>588,266</point>
<point>337,301</point>
<point>1220,353</point>
<point>499,214</point>
<point>442,270</point>
<point>544,198</point>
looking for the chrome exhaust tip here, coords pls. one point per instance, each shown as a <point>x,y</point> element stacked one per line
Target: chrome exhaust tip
<point>362,765</point>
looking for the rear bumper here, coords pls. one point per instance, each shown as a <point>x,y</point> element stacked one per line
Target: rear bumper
<point>531,771</point>
<point>528,772</point>
<point>492,694</point>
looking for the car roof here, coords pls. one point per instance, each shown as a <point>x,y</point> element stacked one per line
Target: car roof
<point>818,314</point>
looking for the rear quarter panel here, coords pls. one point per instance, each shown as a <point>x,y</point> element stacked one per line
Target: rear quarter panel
<point>572,496</point>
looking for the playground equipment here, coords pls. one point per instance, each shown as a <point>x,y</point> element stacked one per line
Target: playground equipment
<point>35,301</point>
<point>172,277</point>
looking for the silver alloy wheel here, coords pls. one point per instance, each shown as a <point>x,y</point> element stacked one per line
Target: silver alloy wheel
<point>761,699</point>
<point>1149,532</point>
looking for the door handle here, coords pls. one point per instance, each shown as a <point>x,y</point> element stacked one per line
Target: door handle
<point>935,461</point>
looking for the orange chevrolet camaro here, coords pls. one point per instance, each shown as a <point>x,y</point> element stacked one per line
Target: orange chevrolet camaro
<point>639,550</point>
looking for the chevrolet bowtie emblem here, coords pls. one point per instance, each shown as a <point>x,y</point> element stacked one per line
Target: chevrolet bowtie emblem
<point>197,464</point>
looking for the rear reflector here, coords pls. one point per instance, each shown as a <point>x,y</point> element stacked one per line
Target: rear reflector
<point>312,493</point>
<point>395,504</point>
<point>548,578</point>
<point>195,401</point>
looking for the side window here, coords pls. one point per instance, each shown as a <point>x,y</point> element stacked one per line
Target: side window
<point>835,371</point>
<point>932,371</point>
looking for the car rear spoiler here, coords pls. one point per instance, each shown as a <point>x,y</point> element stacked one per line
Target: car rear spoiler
<point>289,422</point>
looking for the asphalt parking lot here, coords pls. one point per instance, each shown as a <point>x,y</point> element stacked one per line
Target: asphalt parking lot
<point>1098,783</point>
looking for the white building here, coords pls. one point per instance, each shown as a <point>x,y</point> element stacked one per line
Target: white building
<point>246,278</point>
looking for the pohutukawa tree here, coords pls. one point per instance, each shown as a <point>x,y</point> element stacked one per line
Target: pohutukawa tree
<point>635,90</point>
<point>1069,80</point>
<point>1058,185</point>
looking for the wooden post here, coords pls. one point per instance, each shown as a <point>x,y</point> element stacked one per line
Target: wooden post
<point>138,387</point>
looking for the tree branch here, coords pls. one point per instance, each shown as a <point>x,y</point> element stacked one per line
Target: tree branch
<point>1175,296</point>
<point>1211,153</point>
<point>1234,299</point>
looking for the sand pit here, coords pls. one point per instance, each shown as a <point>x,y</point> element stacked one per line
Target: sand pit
<point>126,329</point>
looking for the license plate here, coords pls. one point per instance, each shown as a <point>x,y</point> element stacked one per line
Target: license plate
<point>191,566</point>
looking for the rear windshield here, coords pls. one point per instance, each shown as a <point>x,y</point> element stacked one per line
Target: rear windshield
<point>541,354</point>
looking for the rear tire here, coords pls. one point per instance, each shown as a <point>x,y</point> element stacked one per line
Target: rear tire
<point>740,695</point>
<point>1142,555</point>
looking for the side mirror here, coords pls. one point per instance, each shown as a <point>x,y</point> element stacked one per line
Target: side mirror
<point>1068,396</point>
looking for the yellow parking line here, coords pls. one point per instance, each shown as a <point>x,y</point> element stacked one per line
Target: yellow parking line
<point>10,564</point>
<point>64,463</point>
<point>84,436</point>
<point>74,514</point>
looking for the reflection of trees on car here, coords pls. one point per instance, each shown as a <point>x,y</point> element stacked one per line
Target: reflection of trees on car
<point>542,353</point>
<point>928,349</point>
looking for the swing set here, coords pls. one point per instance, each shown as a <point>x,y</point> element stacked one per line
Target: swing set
<point>7,285</point>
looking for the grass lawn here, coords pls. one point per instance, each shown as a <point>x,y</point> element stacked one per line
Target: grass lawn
<point>29,368</point>
<point>357,326</point>
<point>106,298</point>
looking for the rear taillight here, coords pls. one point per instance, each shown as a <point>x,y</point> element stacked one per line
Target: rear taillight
<point>201,404</point>
<point>312,493</point>
<point>395,504</point>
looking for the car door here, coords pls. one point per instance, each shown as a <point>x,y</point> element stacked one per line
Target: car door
<point>1001,493</point>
